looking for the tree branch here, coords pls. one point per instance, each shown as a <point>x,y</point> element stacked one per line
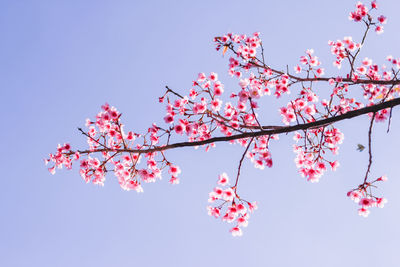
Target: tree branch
<point>280,130</point>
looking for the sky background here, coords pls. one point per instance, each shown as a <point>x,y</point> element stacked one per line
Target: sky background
<point>61,60</point>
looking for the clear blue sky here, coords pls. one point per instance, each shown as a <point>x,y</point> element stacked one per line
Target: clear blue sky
<point>61,60</point>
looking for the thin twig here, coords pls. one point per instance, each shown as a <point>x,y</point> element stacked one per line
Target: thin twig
<point>240,164</point>
<point>369,147</point>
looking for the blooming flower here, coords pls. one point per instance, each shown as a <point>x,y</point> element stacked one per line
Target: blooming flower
<point>223,179</point>
<point>236,231</point>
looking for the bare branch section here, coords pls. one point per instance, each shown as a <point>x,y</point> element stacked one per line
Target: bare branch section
<point>281,130</point>
<point>240,164</point>
<point>369,147</point>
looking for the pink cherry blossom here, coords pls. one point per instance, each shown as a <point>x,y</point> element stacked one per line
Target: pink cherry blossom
<point>380,202</point>
<point>228,194</point>
<point>382,19</point>
<point>213,76</point>
<point>363,212</point>
<point>242,221</point>
<point>174,170</point>
<point>201,77</point>
<point>223,179</point>
<point>379,29</point>
<point>174,180</point>
<point>236,231</point>
<point>366,202</point>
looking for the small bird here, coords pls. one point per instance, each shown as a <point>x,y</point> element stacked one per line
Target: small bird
<point>360,147</point>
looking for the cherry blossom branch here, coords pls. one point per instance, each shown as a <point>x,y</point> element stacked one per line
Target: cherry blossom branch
<point>200,114</point>
<point>280,130</point>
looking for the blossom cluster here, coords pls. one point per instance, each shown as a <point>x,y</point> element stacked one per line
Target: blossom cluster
<point>106,136</point>
<point>260,154</point>
<point>60,159</point>
<point>342,49</point>
<point>363,196</point>
<point>363,14</point>
<point>310,158</point>
<point>247,44</point>
<point>229,206</point>
<point>310,62</point>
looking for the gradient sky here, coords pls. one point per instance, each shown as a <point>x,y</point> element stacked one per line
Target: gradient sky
<point>61,60</point>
